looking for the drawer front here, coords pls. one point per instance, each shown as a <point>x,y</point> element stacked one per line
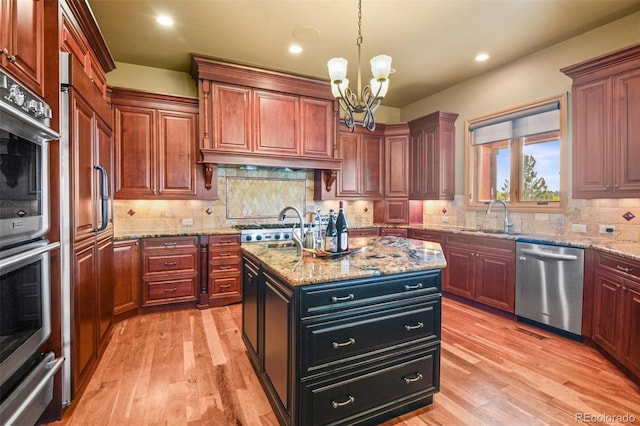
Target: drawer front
<point>215,240</point>
<point>619,265</point>
<point>422,234</point>
<point>179,262</point>
<point>164,290</point>
<point>348,398</point>
<point>169,243</point>
<point>225,266</point>
<point>322,299</point>
<point>225,254</point>
<point>393,232</point>
<point>224,284</point>
<point>343,340</point>
<point>364,232</point>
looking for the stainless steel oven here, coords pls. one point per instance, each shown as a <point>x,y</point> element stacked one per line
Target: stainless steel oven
<point>24,132</point>
<point>25,324</point>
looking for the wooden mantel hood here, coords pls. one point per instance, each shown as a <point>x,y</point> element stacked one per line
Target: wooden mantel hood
<point>265,118</point>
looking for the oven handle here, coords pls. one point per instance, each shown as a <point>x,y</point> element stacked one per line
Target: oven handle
<point>12,260</point>
<point>104,196</point>
<point>53,367</point>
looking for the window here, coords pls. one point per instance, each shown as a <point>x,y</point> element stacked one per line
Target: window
<point>518,156</point>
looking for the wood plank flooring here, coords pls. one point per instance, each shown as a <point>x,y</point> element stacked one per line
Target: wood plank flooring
<point>189,367</point>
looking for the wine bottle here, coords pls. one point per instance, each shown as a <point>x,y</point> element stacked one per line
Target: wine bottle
<point>331,236</point>
<point>343,230</point>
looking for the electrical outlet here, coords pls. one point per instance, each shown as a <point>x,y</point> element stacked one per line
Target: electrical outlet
<point>187,222</point>
<point>445,219</point>
<point>579,227</point>
<point>607,229</point>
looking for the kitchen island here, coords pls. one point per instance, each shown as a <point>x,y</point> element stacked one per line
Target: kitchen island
<point>346,339</point>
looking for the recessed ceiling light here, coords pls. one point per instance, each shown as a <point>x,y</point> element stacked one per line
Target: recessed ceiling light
<point>295,49</point>
<point>481,57</point>
<point>164,20</point>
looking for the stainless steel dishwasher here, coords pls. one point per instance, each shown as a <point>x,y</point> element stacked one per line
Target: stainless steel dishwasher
<point>549,281</point>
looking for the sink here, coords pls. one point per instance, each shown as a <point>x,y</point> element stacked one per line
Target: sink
<point>283,245</point>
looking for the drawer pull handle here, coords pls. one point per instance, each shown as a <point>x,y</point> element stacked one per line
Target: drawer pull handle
<point>336,404</point>
<point>170,244</point>
<point>414,327</point>
<point>170,290</point>
<point>336,299</point>
<point>225,285</point>
<point>225,254</point>
<point>623,269</point>
<point>337,345</point>
<point>225,267</point>
<point>417,377</point>
<point>413,287</point>
<point>170,263</point>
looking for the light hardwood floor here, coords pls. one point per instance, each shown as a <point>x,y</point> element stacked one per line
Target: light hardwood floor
<point>189,367</point>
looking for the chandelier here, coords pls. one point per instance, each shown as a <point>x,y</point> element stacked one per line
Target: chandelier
<point>366,100</point>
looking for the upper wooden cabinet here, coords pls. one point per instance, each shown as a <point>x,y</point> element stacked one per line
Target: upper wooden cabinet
<point>432,157</point>
<point>606,129</point>
<point>362,174</point>
<point>155,146</point>
<point>22,41</point>
<point>251,116</point>
<point>396,159</point>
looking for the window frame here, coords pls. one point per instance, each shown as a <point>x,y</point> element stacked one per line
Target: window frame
<point>471,162</point>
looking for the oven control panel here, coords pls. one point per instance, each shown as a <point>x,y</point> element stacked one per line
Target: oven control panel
<point>14,95</point>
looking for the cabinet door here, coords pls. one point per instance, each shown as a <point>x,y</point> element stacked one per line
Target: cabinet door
<point>104,282</point>
<point>318,127</point>
<point>135,148</point>
<point>396,167</point>
<point>627,133</point>
<point>607,308</point>
<point>126,291</point>
<point>232,118</point>
<point>446,161</point>
<point>371,173</point>
<point>459,273</point>
<point>495,279</point>
<point>250,309</point>
<point>630,330</point>
<point>177,146</point>
<point>349,177</point>
<point>416,166</point>
<point>22,35</point>
<point>84,314</point>
<point>81,147</point>
<point>276,123</point>
<point>592,145</point>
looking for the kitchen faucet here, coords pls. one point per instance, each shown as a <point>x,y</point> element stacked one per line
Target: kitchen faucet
<point>507,224</point>
<point>296,239</point>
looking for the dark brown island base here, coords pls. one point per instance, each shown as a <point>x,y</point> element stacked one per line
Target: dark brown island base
<point>345,339</point>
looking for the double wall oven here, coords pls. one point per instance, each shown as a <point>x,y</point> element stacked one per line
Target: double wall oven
<point>26,374</point>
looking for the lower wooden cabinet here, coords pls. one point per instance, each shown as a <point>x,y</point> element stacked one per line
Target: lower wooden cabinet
<point>319,354</point>
<point>127,276</point>
<point>481,269</point>
<point>616,309</point>
<point>394,232</point>
<point>225,270</point>
<point>170,270</point>
<point>373,231</point>
<point>428,235</point>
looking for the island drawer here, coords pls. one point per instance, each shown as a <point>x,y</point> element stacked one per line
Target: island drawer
<point>347,399</point>
<point>323,299</point>
<point>345,338</point>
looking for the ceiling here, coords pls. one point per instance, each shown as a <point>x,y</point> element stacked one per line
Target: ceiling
<point>432,42</point>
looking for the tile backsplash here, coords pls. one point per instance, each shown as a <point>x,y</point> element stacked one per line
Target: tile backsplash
<point>256,196</point>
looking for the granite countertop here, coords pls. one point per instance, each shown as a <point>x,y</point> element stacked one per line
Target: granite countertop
<point>377,256</point>
<point>132,235</point>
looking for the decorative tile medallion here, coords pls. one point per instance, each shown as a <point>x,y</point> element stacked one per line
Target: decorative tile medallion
<point>628,216</point>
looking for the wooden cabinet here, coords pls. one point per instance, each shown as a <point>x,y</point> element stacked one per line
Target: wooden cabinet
<point>364,232</point>
<point>155,145</point>
<point>170,270</point>
<point>275,117</point>
<point>432,157</point>
<point>396,160</point>
<point>428,235</point>
<point>616,310</point>
<point>606,136</point>
<point>127,274</point>
<point>481,269</point>
<point>318,351</point>
<point>362,174</point>
<point>398,211</point>
<point>22,41</point>
<point>225,270</point>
